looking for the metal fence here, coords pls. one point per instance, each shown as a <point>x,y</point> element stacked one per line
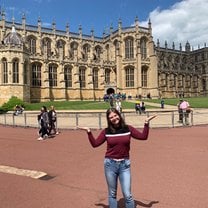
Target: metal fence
<point>97,120</point>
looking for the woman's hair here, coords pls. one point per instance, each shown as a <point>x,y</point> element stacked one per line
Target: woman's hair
<point>110,126</point>
<point>44,108</point>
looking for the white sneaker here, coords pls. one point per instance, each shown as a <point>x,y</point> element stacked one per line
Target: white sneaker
<point>45,136</point>
<point>40,138</point>
<point>57,132</point>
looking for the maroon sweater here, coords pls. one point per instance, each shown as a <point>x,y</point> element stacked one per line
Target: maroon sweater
<point>118,143</point>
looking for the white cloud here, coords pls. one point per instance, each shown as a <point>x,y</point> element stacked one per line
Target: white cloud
<point>184,21</point>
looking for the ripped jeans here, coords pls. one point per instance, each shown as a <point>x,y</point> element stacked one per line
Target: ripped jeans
<point>115,170</point>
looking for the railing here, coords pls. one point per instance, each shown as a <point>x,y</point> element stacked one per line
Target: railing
<point>97,120</point>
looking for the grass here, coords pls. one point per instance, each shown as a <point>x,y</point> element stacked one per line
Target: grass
<point>197,102</point>
<point>77,105</point>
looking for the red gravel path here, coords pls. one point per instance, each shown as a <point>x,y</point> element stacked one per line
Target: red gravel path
<point>170,170</point>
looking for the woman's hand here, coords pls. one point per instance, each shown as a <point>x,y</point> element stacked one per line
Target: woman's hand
<point>148,119</point>
<point>87,129</point>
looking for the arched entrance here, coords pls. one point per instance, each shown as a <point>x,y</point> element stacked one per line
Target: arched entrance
<point>110,91</point>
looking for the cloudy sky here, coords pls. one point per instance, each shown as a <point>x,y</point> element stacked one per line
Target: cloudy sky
<point>175,21</point>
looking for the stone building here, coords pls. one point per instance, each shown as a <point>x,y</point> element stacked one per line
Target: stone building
<point>42,64</point>
<point>182,73</point>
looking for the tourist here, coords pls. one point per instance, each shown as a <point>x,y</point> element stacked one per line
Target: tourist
<point>117,135</point>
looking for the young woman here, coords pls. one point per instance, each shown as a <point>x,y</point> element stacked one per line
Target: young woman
<point>43,123</point>
<point>52,120</point>
<point>117,161</point>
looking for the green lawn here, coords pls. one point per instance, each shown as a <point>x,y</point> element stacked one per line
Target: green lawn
<point>197,102</point>
<point>77,105</point>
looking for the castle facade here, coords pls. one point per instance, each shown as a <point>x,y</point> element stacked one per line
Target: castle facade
<point>42,64</point>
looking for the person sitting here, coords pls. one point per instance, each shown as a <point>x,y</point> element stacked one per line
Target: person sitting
<point>138,107</point>
<point>143,108</point>
<point>18,110</point>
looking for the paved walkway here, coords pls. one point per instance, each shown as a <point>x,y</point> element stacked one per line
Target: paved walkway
<point>169,170</point>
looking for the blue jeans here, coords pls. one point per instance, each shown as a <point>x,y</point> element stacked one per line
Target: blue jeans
<point>115,170</point>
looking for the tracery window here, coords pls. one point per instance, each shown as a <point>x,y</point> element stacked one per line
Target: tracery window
<point>25,73</point>
<point>36,75</point>
<point>61,47</point>
<point>5,70</point>
<point>107,76</point>
<point>129,48</point>
<point>47,47</point>
<point>95,78</point>
<point>86,50</point>
<point>143,45</point>
<point>32,45</point>
<point>68,76</point>
<point>129,77</point>
<point>107,53</point>
<point>82,77</point>
<point>97,53</point>
<point>15,71</point>
<point>144,77</point>
<point>52,75</point>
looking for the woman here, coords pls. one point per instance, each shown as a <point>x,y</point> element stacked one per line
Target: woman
<point>117,162</point>
<point>52,121</point>
<point>43,122</point>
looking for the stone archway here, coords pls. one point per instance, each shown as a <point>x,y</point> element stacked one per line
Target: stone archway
<point>110,91</point>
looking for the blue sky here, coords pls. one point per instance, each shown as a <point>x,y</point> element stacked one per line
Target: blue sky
<point>176,21</point>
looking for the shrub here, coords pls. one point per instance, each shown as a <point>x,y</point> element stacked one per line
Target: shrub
<point>11,104</point>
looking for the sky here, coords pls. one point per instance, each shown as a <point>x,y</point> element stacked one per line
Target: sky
<point>175,21</point>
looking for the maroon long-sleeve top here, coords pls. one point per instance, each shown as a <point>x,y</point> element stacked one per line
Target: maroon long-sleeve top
<point>118,143</point>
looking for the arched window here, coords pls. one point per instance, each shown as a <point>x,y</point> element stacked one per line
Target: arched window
<point>107,53</point>
<point>129,48</point>
<point>32,45</point>
<point>129,77</point>
<point>144,77</point>
<point>68,76</point>
<point>61,47</point>
<point>36,74</point>
<point>5,70</point>
<point>82,77</point>
<point>52,75</point>
<point>47,46</point>
<point>73,48</point>
<point>95,78</point>
<point>107,76</point>
<point>143,44</point>
<point>25,73</point>
<point>86,50</point>
<point>15,71</point>
<point>97,53</point>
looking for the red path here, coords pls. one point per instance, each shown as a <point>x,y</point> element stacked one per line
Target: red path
<point>170,170</point>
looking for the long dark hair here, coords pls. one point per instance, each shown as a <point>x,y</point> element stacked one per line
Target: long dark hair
<point>110,126</point>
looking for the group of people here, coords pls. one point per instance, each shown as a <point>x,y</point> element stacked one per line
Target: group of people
<point>140,107</point>
<point>47,123</point>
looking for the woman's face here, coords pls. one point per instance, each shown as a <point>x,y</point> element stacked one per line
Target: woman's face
<point>114,118</point>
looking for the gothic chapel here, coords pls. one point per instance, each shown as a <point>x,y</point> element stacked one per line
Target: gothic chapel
<point>42,64</point>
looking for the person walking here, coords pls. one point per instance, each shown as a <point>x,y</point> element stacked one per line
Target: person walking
<point>52,121</point>
<point>117,165</point>
<point>118,105</point>
<point>43,123</point>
